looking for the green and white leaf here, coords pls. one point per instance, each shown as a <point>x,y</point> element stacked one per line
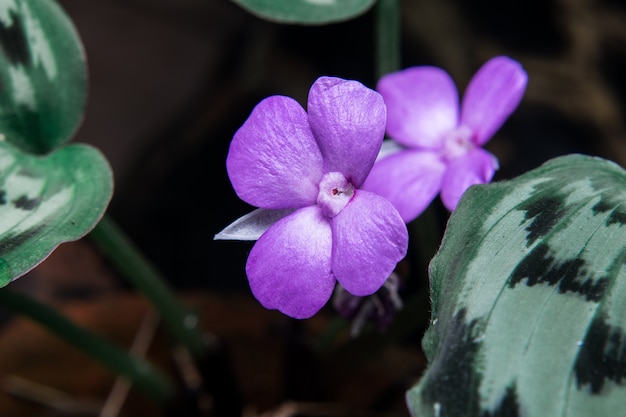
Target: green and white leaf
<point>47,200</point>
<point>529,298</point>
<point>43,76</point>
<point>311,12</point>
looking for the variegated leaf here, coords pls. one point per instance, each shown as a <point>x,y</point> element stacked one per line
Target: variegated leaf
<point>529,298</point>
<point>43,77</point>
<point>47,200</point>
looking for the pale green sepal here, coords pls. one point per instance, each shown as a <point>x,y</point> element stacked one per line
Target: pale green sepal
<point>252,225</point>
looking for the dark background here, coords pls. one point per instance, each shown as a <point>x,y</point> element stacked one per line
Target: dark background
<point>171,81</point>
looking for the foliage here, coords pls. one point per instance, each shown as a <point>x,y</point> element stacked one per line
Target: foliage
<point>528,288</point>
<point>529,296</point>
<point>42,73</point>
<point>49,193</point>
<point>45,200</point>
<point>306,11</point>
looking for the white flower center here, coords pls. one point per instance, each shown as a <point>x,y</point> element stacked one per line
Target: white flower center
<point>335,193</point>
<point>458,143</point>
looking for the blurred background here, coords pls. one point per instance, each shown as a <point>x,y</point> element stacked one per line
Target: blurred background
<point>170,82</point>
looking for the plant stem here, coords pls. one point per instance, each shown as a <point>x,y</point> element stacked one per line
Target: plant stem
<point>387,37</point>
<point>146,278</point>
<point>426,234</point>
<point>140,373</point>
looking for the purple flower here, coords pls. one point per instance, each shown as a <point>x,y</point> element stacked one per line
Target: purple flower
<point>441,144</point>
<point>309,167</point>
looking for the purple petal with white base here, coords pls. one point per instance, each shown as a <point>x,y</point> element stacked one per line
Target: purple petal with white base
<point>283,158</point>
<point>348,121</point>
<point>491,96</point>
<point>274,161</point>
<point>422,106</point>
<point>289,267</point>
<point>369,239</point>
<point>409,179</point>
<point>423,116</point>
<point>476,167</point>
<point>335,193</point>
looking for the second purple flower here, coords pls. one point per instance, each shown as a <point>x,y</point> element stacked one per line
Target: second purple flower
<point>442,141</point>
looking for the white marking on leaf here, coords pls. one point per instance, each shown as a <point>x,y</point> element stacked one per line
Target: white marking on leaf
<point>6,160</point>
<point>437,409</point>
<point>507,354</point>
<point>6,7</point>
<point>39,46</point>
<point>321,2</point>
<point>17,186</point>
<point>47,209</point>
<point>22,88</point>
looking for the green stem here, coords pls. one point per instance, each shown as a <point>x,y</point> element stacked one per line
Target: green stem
<point>182,323</point>
<point>140,373</point>
<point>387,37</point>
<point>426,236</point>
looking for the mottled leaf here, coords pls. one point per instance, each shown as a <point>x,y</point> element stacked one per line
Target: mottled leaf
<point>529,298</point>
<point>310,12</point>
<point>47,200</point>
<point>43,79</point>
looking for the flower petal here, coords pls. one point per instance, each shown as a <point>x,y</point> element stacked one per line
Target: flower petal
<point>422,106</point>
<point>409,179</point>
<point>274,161</point>
<point>348,121</point>
<point>491,96</point>
<point>289,267</point>
<point>475,167</point>
<point>369,239</point>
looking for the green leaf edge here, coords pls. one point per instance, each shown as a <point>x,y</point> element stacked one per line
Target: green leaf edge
<point>61,30</point>
<point>270,14</point>
<point>8,271</point>
<point>471,201</point>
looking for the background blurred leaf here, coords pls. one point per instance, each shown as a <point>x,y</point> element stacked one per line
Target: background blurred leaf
<point>306,11</point>
<point>42,74</point>
<point>47,200</point>
<point>529,298</point>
